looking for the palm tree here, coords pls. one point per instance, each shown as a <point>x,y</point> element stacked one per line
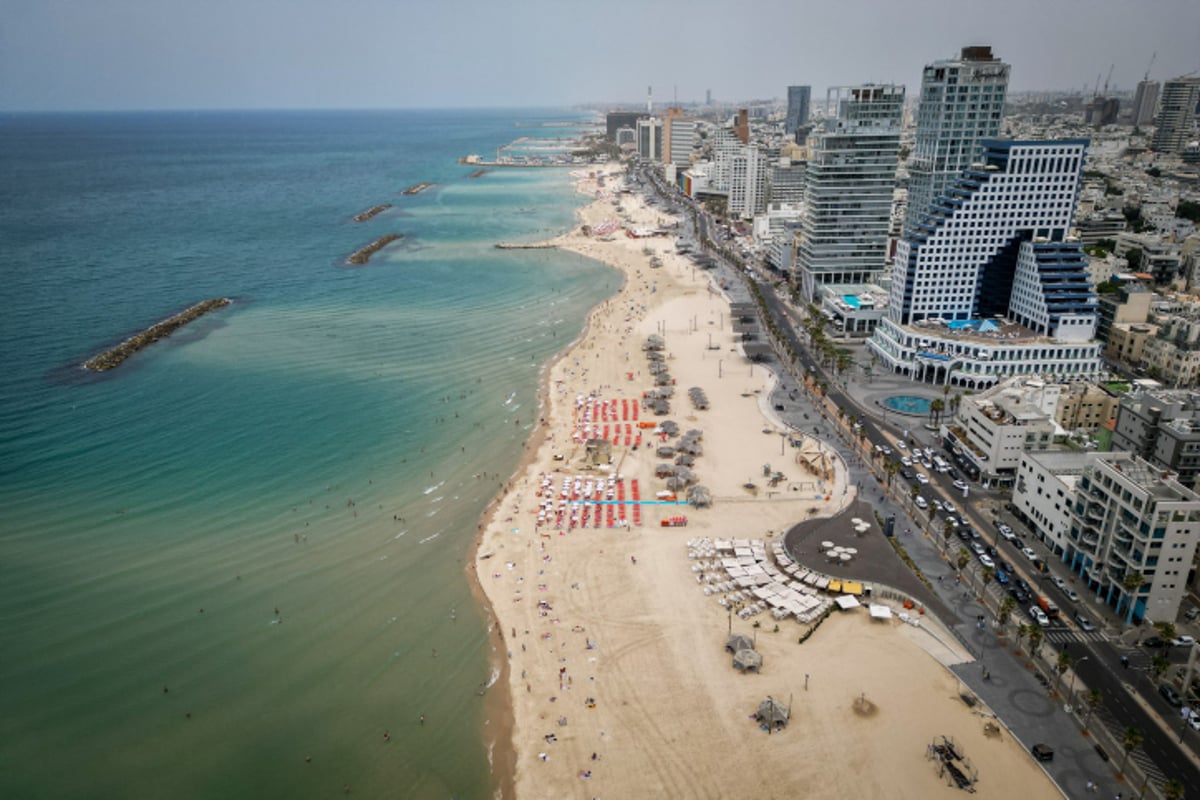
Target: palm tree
<point>1094,699</point>
<point>1036,637</point>
<point>1160,664</point>
<point>891,468</point>
<point>1166,630</point>
<point>1131,739</point>
<point>987,574</point>
<point>1173,790</point>
<point>1064,663</point>
<point>1023,630</point>
<point>1131,583</point>
<point>963,559</point>
<point>1006,609</point>
<point>935,410</point>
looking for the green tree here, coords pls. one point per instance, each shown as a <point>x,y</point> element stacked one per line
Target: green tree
<point>935,410</point>
<point>1131,583</point>
<point>1036,637</point>
<point>963,558</point>
<point>1134,257</point>
<point>1023,631</point>
<point>1006,608</point>
<point>1160,664</point>
<point>1063,664</point>
<point>1166,630</point>
<point>1173,790</point>
<point>1131,739</point>
<point>1095,698</point>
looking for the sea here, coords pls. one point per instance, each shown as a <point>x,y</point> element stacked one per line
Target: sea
<point>238,566</point>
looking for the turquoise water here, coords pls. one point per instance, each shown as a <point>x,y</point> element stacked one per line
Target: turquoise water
<point>205,586</point>
<point>907,404</point>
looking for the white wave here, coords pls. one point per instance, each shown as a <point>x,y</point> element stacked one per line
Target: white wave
<point>430,538</point>
<point>434,488</point>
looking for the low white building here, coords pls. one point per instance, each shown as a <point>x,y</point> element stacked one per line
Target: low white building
<point>1044,493</point>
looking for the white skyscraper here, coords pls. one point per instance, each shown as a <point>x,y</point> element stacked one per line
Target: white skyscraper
<point>849,183</point>
<point>985,284</point>
<point>962,101</point>
<point>1176,115</point>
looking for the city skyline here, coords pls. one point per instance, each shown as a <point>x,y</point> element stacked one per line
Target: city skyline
<point>143,55</point>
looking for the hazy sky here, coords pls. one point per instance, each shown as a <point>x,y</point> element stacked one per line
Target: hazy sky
<point>149,54</point>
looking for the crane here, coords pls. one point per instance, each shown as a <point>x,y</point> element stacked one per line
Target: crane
<point>1146,77</point>
<point>1109,78</point>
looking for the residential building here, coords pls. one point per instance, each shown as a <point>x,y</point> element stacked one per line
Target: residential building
<point>961,103</point>
<point>1083,407</point>
<point>849,183</point>
<point>1176,115</point>
<point>679,138</point>
<point>1044,494</point>
<point>1127,342</point>
<point>1163,427</point>
<point>991,430</point>
<point>1128,305</point>
<point>986,284</point>
<point>799,98</point>
<point>1172,354</point>
<point>1145,102</point>
<point>749,186</point>
<point>787,181</point>
<point>1133,536</point>
<point>1161,261</point>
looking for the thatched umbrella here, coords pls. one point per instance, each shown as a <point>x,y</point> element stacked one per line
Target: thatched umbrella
<point>664,470</point>
<point>686,474</point>
<point>695,433</point>
<point>699,496</point>
<point>685,460</point>
<point>676,483</point>
<point>739,641</point>
<point>748,660</point>
<point>773,713</point>
<point>665,451</point>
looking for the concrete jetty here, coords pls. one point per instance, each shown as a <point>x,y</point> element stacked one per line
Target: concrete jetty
<point>520,246</point>
<point>363,255</point>
<point>111,359</point>
<point>416,188</point>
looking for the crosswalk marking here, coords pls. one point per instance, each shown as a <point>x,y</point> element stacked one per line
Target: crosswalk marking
<point>1072,636</point>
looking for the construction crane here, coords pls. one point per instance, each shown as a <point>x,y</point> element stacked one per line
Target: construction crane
<point>1109,78</point>
<point>1146,77</point>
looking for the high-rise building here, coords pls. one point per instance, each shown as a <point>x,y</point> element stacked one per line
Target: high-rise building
<point>615,120</point>
<point>985,284</point>
<point>849,182</point>
<point>741,126</point>
<point>749,186</point>
<point>797,108</point>
<point>1145,102</point>
<point>679,137</point>
<point>650,138</point>
<point>962,101</point>
<point>1176,115</point>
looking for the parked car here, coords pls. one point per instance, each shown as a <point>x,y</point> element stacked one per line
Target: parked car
<point>1059,582</point>
<point>1084,623</point>
<point>1028,553</point>
<point>1042,752</point>
<point>1023,586</point>
<point>907,474</point>
<point>991,551</point>
<point>1005,531</point>
<point>1072,595</point>
<point>921,501</point>
<point>963,534</point>
<point>922,478</point>
<point>986,560</point>
<point>1038,616</point>
<point>900,445</point>
<point>1001,576</point>
<point>950,509</point>
<point>906,461</point>
<point>1153,641</point>
<point>1001,564</point>
<point>1170,695</point>
<point>1183,641</point>
<point>960,484</point>
<point>978,548</point>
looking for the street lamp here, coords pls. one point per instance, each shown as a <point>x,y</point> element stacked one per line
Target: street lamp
<point>1071,691</point>
<point>720,361</point>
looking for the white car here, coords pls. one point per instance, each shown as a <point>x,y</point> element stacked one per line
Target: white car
<point>927,464</point>
<point>921,502</point>
<point>950,509</point>
<point>1038,616</point>
<point>1183,641</point>
<point>1028,553</point>
<point>906,461</point>
<point>1059,582</point>
<point>922,478</point>
<point>961,485</point>
<point>986,560</point>
<point>900,445</point>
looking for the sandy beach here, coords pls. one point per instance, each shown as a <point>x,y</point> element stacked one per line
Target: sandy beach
<point>620,685</point>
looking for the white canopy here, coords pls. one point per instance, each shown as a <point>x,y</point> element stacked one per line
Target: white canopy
<point>847,602</point>
<point>880,611</point>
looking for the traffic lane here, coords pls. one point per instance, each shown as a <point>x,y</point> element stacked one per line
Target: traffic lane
<point>1161,748</point>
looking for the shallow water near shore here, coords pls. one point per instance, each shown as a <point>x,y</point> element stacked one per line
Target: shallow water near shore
<point>231,566</point>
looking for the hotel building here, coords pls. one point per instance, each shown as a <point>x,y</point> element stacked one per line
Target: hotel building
<point>986,285</point>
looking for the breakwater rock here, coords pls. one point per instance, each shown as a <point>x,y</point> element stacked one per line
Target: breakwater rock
<point>529,246</point>
<point>370,212</point>
<point>363,255</point>
<point>417,188</point>
<point>477,173</point>
<point>110,359</point>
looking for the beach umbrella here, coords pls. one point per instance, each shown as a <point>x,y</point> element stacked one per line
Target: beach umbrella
<point>686,460</point>
<point>676,483</point>
<point>699,496</point>
<point>739,641</point>
<point>664,470</point>
<point>696,434</point>
<point>772,712</point>
<point>748,659</point>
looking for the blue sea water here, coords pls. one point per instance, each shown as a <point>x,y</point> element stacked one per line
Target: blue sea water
<point>206,588</point>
